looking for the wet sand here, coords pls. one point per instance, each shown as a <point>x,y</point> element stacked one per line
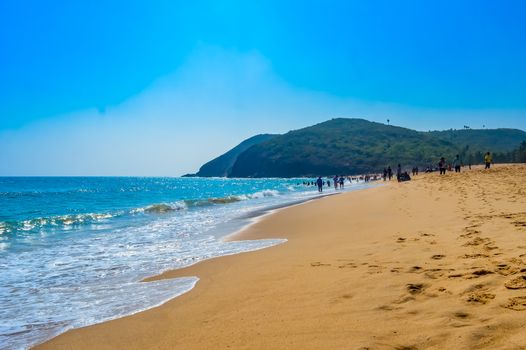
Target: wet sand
<point>435,263</point>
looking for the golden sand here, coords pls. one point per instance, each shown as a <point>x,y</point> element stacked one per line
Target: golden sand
<point>435,263</point>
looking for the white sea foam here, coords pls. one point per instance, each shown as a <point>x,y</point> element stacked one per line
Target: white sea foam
<point>265,193</point>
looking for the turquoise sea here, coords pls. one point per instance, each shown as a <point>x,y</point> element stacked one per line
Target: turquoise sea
<point>74,249</point>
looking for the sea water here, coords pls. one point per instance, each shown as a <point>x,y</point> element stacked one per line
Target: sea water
<point>73,250</point>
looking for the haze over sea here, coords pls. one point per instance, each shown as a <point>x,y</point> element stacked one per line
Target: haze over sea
<point>73,249</point>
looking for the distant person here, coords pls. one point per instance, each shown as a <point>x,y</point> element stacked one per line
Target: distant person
<point>457,163</point>
<point>442,166</point>
<point>319,182</point>
<point>335,181</point>
<point>389,172</point>
<point>341,182</point>
<point>384,176</point>
<point>398,172</point>
<point>488,159</point>
<point>329,183</point>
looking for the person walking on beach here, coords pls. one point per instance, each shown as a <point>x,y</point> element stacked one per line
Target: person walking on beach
<point>442,166</point>
<point>342,181</point>
<point>457,163</point>
<point>398,172</point>
<point>319,182</point>
<point>488,159</point>
<point>384,176</point>
<point>335,180</point>
<point>389,172</point>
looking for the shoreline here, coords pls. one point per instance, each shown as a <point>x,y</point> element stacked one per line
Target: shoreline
<point>258,215</point>
<point>244,234</point>
<point>339,273</point>
<point>233,227</point>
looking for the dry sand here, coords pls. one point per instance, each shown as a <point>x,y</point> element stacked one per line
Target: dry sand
<point>435,263</point>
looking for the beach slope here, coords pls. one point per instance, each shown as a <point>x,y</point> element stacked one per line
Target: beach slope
<point>435,263</point>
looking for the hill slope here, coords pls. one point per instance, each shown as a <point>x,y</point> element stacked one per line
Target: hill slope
<point>222,165</point>
<point>352,146</point>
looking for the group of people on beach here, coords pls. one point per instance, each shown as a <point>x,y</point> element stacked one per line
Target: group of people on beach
<point>400,175</point>
<point>338,181</point>
<point>457,163</point>
<point>442,167</point>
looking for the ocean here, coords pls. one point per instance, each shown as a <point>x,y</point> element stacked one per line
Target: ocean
<point>73,250</point>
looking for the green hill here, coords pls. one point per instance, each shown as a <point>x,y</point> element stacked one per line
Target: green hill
<point>354,146</point>
<point>222,165</point>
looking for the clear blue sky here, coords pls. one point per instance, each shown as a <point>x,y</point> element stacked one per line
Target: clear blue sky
<point>66,64</point>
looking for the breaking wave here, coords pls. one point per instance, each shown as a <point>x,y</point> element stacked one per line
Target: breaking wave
<point>73,220</point>
<point>62,221</point>
<point>161,208</point>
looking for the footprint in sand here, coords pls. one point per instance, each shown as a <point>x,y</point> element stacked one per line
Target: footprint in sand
<point>415,288</point>
<point>506,270</point>
<point>438,257</point>
<point>388,308</point>
<point>479,297</point>
<point>461,314</point>
<point>400,240</point>
<point>348,265</point>
<point>516,303</point>
<point>423,234</point>
<point>481,272</point>
<point>436,273</point>
<point>476,241</point>
<point>516,283</point>
<point>490,247</point>
<point>415,269</point>
<point>474,256</point>
<point>317,263</point>
<point>406,347</point>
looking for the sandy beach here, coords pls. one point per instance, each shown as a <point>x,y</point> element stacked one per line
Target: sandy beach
<point>434,263</point>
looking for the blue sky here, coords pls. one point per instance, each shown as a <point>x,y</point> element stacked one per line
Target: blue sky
<point>159,87</point>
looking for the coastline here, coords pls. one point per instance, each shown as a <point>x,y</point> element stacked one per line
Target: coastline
<point>341,271</point>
